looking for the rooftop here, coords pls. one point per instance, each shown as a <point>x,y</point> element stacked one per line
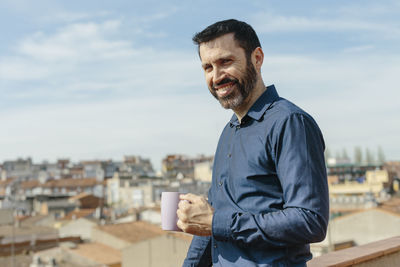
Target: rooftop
<point>133,232</point>
<point>98,252</point>
<point>80,196</point>
<point>76,214</point>
<point>68,182</point>
<point>25,233</point>
<point>32,220</point>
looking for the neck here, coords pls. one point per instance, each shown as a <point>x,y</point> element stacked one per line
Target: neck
<point>250,100</point>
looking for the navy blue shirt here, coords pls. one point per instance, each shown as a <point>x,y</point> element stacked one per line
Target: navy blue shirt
<point>269,189</point>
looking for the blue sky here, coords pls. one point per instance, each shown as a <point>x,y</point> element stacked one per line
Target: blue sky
<point>103,79</point>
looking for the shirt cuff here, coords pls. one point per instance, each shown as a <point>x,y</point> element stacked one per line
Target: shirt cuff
<point>221,225</point>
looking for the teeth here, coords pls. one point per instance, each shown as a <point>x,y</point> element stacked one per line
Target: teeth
<point>223,90</point>
<point>225,87</point>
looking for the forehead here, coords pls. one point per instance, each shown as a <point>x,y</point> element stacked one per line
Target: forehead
<point>223,46</point>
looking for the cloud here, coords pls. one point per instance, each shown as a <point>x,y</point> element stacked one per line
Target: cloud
<point>267,22</point>
<point>369,10</point>
<point>358,49</point>
<point>353,97</point>
<point>89,61</point>
<point>70,17</point>
<point>41,56</point>
<point>76,42</point>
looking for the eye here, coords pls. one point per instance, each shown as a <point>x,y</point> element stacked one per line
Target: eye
<point>226,61</point>
<point>207,68</point>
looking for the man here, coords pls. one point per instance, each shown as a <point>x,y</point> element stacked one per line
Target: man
<point>269,196</point>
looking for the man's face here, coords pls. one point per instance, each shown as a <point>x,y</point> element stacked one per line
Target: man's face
<point>230,76</point>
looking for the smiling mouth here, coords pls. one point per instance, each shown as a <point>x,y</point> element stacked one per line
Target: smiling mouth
<point>224,87</point>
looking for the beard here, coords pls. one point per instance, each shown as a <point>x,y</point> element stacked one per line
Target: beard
<point>242,91</point>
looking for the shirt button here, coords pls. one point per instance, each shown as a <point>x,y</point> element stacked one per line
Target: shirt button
<point>220,183</point>
<point>229,155</point>
<point>215,245</point>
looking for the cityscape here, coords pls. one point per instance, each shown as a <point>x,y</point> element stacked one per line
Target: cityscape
<point>104,106</point>
<point>107,213</point>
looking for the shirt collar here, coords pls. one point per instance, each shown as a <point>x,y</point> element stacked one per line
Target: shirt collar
<point>269,96</point>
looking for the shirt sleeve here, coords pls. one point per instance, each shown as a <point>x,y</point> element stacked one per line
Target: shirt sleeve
<point>297,147</point>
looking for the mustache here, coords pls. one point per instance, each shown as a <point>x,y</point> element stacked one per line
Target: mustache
<point>225,80</point>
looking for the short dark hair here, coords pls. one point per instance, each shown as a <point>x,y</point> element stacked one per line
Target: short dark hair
<point>244,34</point>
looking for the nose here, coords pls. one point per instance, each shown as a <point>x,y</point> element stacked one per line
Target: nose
<point>218,75</point>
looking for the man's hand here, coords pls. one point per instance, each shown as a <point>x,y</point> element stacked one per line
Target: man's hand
<point>195,215</point>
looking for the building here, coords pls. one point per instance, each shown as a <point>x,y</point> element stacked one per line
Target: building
<point>353,196</point>
<point>93,169</point>
<point>95,254</point>
<point>168,250</point>
<point>129,193</point>
<point>58,207</point>
<point>150,215</point>
<point>6,190</point>
<point>78,255</point>
<point>120,236</point>
<point>358,228</point>
<point>143,244</point>
<point>393,168</point>
<point>137,166</point>
<point>375,182</point>
<point>26,232</point>
<point>180,166</point>
<point>346,171</point>
<point>77,171</point>
<point>86,200</point>
<point>21,168</point>
<point>81,227</point>
<point>48,170</point>
<point>203,171</point>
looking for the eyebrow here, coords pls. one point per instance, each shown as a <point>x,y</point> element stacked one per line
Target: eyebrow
<point>205,65</point>
<point>219,59</point>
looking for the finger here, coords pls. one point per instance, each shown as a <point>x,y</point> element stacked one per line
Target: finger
<point>183,204</point>
<point>180,225</point>
<point>189,197</point>
<point>181,215</point>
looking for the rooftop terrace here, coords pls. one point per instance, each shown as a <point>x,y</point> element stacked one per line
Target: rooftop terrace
<point>383,253</point>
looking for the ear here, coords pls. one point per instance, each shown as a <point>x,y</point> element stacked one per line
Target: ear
<point>258,58</point>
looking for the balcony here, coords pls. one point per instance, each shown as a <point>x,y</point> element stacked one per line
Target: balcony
<point>383,253</point>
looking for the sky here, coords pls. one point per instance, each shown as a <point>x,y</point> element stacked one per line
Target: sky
<point>103,79</point>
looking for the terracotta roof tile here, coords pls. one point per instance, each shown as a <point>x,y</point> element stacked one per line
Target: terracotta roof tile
<point>29,184</point>
<point>79,196</point>
<point>98,252</point>
<point>134,231</point>
<point>82,182</point>
<point>392,205</point>
<point>76,214</point>
<point>6,182</point>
